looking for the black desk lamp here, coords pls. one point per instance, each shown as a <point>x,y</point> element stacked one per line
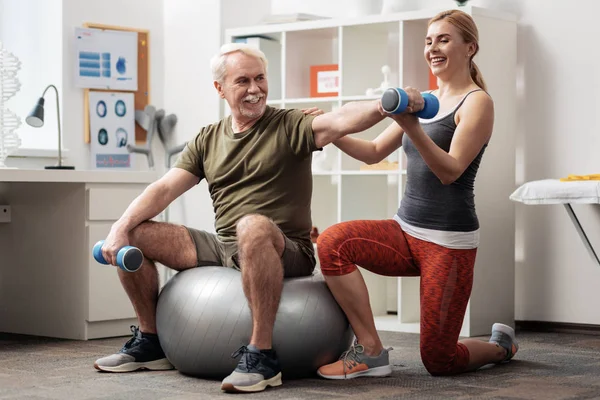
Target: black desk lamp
<point>36,119</point>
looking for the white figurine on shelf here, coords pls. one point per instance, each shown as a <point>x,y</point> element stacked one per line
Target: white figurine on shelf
<point>9,121</point>
<point>385,70</point>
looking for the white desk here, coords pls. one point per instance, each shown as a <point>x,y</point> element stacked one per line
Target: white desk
<point>50,284</point>
<point>553,191</point>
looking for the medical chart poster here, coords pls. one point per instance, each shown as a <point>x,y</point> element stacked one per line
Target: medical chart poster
<point>112,128</point>
<point>106,59</point>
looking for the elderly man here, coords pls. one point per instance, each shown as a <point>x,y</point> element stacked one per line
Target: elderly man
<point>257,162</point>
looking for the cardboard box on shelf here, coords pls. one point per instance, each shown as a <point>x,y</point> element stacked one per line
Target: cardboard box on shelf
<point>324,80</point>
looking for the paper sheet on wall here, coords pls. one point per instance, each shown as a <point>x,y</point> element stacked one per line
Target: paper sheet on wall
<point>106,59</point>
<point>112,127</point>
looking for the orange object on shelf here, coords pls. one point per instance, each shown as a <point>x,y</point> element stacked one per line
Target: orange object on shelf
<point>324,80</point>
<point>432,81</point>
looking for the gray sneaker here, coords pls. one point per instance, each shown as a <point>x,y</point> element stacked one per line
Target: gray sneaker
<point>142,351</point>
<point>255,371</point>
<point>504,336</point>
<point>354,363</point>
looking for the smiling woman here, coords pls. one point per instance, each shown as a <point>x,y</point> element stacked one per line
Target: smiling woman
<point>439,244</point>
<point>454,35</point>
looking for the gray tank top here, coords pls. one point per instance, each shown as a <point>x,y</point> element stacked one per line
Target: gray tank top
<point>427,203</point>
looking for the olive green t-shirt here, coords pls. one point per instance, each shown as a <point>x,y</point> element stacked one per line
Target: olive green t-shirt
<point>264,170</point>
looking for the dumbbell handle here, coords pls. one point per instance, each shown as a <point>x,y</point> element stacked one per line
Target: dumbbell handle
<point>395,101</point>
<point>129,258</point>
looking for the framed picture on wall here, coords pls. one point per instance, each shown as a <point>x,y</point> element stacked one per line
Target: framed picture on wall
<point>112,127</point>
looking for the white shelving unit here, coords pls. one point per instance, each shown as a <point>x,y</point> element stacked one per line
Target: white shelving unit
<point>342,192</point>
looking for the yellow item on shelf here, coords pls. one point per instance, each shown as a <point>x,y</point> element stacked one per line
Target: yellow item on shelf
<point>591,177</point>
<point>380,166</point>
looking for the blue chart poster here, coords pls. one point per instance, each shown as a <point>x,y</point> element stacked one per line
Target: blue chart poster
<point>106,59</point>
<point>112,128</point>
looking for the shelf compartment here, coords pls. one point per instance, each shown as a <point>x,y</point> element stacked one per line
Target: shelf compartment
<point>368,197</point>
<point>325,206</point>
<point>366,49</point>
<point>303,50</point>
<point>351,164</point>
<point>415,71</point>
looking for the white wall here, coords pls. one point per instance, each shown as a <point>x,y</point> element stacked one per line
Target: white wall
<point>236,13</point>
<point>192,35</point>
<point>556,280</point>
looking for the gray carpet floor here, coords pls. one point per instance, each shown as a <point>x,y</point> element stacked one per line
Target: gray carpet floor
<point>548,366</point>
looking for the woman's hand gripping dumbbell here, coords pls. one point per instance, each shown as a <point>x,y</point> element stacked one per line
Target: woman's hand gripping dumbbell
<point>129,258</point>
<point>396,101</point>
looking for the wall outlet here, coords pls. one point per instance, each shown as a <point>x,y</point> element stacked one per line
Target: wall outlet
<point>4,214</point>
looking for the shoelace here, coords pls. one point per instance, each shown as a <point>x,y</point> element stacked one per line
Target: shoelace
<point>250,361</point>
<point>136,336</point>
<point>350,358</point>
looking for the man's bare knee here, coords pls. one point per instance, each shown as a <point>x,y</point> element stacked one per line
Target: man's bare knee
<point>142,234</point>
<point>255,231</point>
<point>168,244</point>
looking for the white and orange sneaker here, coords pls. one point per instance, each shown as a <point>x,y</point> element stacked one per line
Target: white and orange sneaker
<point>504,336</point>
<point>354,363</point>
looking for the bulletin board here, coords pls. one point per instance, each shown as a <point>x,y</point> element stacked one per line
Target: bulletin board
<point>142,95</point>
<point>106,59</point>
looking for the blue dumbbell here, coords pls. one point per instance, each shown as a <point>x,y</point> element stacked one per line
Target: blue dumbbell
<point>395,101</point>
<point>129,258</point>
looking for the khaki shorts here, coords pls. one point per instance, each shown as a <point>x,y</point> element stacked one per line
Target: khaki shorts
<point>214,252</point>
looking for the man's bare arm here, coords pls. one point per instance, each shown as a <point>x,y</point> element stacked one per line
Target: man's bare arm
<point>156,198</point>
<point>153,200</point>
<point>351,118</point>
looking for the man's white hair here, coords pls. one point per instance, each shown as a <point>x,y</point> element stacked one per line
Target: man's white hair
<point>217,63</point>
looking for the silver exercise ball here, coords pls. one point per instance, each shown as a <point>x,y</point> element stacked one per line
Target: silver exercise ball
<point>203,317</point>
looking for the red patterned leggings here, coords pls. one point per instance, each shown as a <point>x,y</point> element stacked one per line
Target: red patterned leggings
<point>446,274</point>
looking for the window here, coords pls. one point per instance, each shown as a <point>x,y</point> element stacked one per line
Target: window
<point>32,31</point>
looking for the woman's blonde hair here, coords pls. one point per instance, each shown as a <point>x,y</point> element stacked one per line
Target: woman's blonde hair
<point>470,34</point>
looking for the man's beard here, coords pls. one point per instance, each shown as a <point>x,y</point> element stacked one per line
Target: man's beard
<point>252,113</point>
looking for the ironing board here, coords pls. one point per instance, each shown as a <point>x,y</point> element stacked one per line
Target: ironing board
<point>554,191</point>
